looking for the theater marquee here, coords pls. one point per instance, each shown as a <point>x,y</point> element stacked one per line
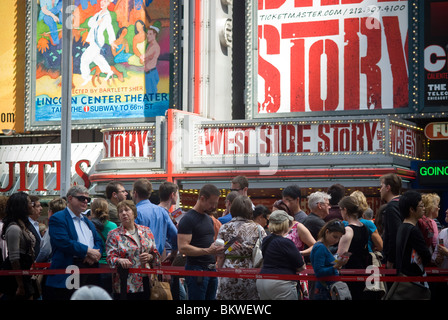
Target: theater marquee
<point>311,142</point>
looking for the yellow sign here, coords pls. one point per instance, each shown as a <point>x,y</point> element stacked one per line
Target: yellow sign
<point>12,66</point>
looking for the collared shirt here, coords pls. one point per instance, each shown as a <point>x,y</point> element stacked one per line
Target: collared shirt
<point>159,221</point>
<point>35,224</point>
<point>85,235</point>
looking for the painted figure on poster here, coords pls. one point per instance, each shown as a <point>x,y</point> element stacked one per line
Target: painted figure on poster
<point>99,23</point>
<point>51,14</point>
<point>121,52</point>
<point>152,54</point>
<point>125,42</point>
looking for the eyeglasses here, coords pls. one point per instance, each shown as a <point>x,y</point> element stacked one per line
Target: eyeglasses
<point>83,198</point>
<point>336,222</point>
<point>326,204</point>
<point>236,190</point>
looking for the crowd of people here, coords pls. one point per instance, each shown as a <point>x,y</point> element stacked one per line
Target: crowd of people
<point>126,230</point>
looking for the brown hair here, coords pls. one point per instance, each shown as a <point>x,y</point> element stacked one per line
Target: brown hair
<point>100,209</point>
<point>242,207</point>
<point>352,206</point>
<point>127,203</point>
<point>392,180</point>
<point>143,187</point>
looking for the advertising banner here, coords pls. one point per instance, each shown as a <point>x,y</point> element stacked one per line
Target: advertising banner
<point>436,53</point>
<point>320,56</point>
<point>37,168</point>
<point>12,67</point>
<point>120,61</point>
<point>306,138</point>
<point>312,142</point>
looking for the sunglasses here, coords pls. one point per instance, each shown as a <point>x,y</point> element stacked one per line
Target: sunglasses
<point>83,198</point>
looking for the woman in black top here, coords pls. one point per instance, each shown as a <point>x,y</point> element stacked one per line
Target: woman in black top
<point>20,242</point>
<point>412,252</point>
<point>354,241</point>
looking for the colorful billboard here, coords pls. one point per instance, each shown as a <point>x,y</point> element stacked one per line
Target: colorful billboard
<point>120,57</point>
<point>436,53</point>
<point>337,56</point>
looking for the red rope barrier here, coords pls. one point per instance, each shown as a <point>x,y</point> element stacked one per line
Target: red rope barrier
<point>348,275</point>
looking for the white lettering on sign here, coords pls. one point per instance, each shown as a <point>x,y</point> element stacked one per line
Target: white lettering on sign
<point>437,131</point>
<point>129,143</point>
<point>292,138</point>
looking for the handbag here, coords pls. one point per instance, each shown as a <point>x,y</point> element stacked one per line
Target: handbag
<point>160,290</point>
<point>8,284</point>
<point>257,255</point>
<point>340,291</point>
<point>408,291</point>
<point>376,261</point>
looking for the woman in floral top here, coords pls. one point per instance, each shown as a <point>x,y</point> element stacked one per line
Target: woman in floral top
<point>131,246</point>
<point>247,233</point>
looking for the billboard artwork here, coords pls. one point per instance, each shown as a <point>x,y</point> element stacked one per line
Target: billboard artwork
<point>319,56</point>
<point>436,53</point>
<point>120,57</point>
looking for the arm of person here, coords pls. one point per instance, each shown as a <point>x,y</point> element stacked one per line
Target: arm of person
<point>12,238</point>
<point>345,241</point>
<point>306,237</point>
<point>320,264</point>
<point>185,247</point>
<point>419,245</point>
<point>377,241</point>
<point>392,218</point>
<point>60,239</point>
<point>112,257</point>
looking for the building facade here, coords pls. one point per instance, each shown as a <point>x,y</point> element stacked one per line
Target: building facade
<point>311,93</point>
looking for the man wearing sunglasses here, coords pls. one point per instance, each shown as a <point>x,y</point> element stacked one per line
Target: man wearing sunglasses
<point>74,241</point>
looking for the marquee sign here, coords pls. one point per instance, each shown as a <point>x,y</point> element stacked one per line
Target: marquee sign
<point>129,143</point>
<point>132,148</point>
<point>310,142</point>
<point>437,131</point>
<point>42,174</point>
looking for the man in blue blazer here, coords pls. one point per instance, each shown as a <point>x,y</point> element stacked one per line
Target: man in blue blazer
<point>74,241</point>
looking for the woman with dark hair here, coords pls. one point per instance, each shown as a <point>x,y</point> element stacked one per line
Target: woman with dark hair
<point>121,52</point>
<point>412,253</point>
<point>323,262</point>
<point>355,241</point>
<point>138,45</point>
<point>20,243</point>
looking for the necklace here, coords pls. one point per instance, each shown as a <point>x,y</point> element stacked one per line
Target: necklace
<point>134,232</point>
